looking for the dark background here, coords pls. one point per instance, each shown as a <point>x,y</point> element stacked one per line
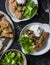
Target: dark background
<point>42,17</point>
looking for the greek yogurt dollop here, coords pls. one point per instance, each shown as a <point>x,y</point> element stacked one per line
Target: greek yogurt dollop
<point>37,30</point>
<point>21,1</point>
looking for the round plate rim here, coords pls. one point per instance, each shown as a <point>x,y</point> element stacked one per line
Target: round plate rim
<point>34,24</point>
<point>11,23</point>
<point>13,17</point>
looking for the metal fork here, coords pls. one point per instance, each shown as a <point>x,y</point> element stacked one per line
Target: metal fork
<point>45,5</point>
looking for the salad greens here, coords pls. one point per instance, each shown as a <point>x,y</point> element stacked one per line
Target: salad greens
<point>12,58</point>
<point>31,9</point>
<point>26,43</point>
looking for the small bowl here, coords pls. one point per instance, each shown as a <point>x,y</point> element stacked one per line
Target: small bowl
<point>14,50</point>
<point>13,16</point>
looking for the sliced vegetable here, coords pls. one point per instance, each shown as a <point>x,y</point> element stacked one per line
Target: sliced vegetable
<point>26,43</point>
<point>12,58</point>
<point>31,9</point>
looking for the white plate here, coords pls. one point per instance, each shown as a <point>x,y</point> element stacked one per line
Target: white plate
<point>12,15</point>
<point>46,27</point>
<point>9,42</point>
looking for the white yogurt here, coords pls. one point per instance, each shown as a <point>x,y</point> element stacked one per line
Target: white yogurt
<point>21,1</point>
<point>37,30</point>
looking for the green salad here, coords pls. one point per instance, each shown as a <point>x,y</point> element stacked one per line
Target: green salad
<point>26,43</point>
<point>30,9</point>
<point>12,58</point>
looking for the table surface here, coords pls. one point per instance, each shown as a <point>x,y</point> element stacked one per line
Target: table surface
<point>42,17</point>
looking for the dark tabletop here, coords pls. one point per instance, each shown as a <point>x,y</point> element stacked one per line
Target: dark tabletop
<point>42,17</point>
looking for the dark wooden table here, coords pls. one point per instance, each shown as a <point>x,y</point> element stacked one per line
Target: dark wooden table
<point>42,17</point>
